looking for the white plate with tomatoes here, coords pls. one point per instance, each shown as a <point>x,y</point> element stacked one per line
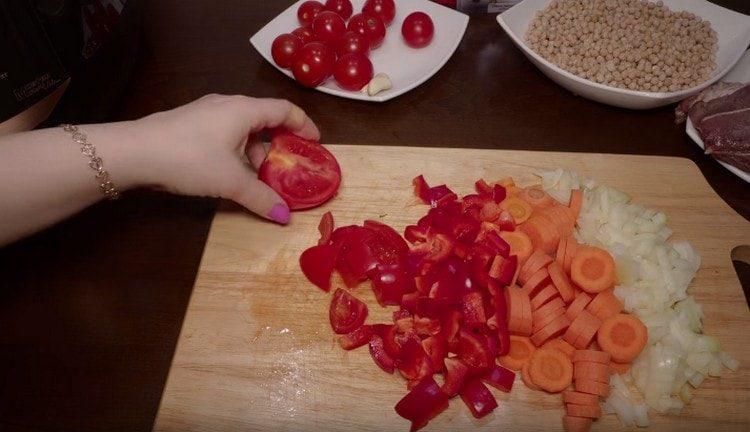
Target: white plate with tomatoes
<point>389,53</point>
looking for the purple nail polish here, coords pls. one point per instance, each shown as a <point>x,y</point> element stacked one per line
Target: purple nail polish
<point>280,213</point>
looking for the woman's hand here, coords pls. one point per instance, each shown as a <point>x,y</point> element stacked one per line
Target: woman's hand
<point>209,147</point>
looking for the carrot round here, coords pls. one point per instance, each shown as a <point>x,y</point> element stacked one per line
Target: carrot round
<point>526,378</point>
<point>536,197</point>
<point>577,306</point>
<point>515,309</point>
<point>520,244</point>
<point>527,323</point>
<point>574,397</point>
<point>571,247</point>
<point>560,279</point>
<point>542,232</point>
<point>543,296</point>
<point>554,328</point>
<point>519,209</point>
<point>519,353</point>
<point>593,371</point>
<point>593,270</point>
<point>560,254</point>
<point>589,411</point>
<point>544,320</point>
<point>548,309</point>
<point>576,202</point>
<point>557,343</point>
<point>536,261</point>
<point>619,368</point>
<point>576,424</point>
<point>561,220</point>
<point>588,330</point>
<point>605,305</point>
<point>623,336</point>
<point>538,279</point>
<point>551,370</point>
<point>592,387</point>
<point>591,356</point>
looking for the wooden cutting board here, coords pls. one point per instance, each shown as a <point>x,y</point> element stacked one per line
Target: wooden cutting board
<point>256,351</point>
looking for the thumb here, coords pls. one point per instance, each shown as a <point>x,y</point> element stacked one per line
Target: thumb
<point>260,199</point>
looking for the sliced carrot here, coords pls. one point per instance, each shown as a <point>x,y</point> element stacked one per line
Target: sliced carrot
<point>526,325</point>
<point>574,397</point>
<point>520,244</point>
<point>557,343</point>
<point>578,305</point>
<point>551,370</point>
<point>560,279</point>
<point>537,280</point>
<point>554,328</point>
<point>619,368</point>
<point>536,197</point>
<point>548,308</point>
<point>588,330</point>
<point>561,220</point>
<point>519,353</point>
<point>623,336</point>
<point>570,252</point>
<point>542,233</point>
<point>592,356</point>
<point>543,321</point>
<point>589,411</point>
<point>576,424</point>
<point>592,387</point>
<point>560,254</point>
<point>589,370</point>
<point>605,305</point>
<point>526,378</point>
<point>518,208</point>
<point>515,309</point>
<point>576,201</point>
<point>543,296</point>
<point>537,260</point>
<point>593,270</point>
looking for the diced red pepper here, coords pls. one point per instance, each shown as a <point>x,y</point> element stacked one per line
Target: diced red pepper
<point>473,351</point>
<point>506,222</point>
<point>382,359</point>
<point>434,249</point>
<point>409,301</point>
<point>425,327</point>
<point>482,188</point>
<point>424,402</point>
<point>500,246</point>
<point>472,201</point>
<point>433,308</point>
<point>357,338</point>
<point>416,234</point>
<point>450,325</point>
<point>346,313</point>
<point>478,398</point>
<point>389,334</point>
<point>401,314</point>
<point>501,313</point>
<point>498,193</point>
<point>389,283</point>
<point>473,309</point>
<point>456,373</point>
<point>437,348</point>
<point>414,363</point>
<point>326,228</point>
<point>490,212</point>
<point>440,195</point>
<point>500,378</point>
<point>317,265</point>
<point>421,189</point>
<point>461,250</point>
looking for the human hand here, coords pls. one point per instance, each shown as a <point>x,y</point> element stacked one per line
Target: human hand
<point>203,148</point>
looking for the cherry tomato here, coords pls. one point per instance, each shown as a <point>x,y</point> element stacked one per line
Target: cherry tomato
<point>328,27</point>
<point>347,313</point>
<point>369,26</point>
<point>285,49</point>
<point>418,30</point>
<point>305,34</point>
<point>341,7</point>
<point>385,9</point>
<point>353,71</point>
<point>302,172</point>
<point>308,11</point>
<point>352,43</point>
<point>314,64</point>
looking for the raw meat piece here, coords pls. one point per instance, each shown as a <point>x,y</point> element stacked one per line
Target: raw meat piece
<point>727,137</point>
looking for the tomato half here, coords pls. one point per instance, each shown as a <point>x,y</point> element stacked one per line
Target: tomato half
<point>369,26</point>
<point>302,172</point>
<point>317,264</point>
<point>385,9</point>
<point>285,49</point>
<point>341,7</point>
<point>308,11</point>
<point>418,30</point>
<point>346,313</point>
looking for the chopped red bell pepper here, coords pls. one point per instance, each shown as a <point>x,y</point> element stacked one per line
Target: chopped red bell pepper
<point>389,283</point>
<point>326,228</point>
<point>421,189</point>
<point>414,363</point>
<point>317,265</point>
<point>456,373</point>
<point>478,398</point>
<point>472,308</point>
<point>389,334</point>
<point>434,249</point>
<point>500,378</point>
<point>472,201</point>
<point>506,222</point>
<point>504,269</point>
<point>416,234</point>
<point>482,188</point>
<point>450,325</point>
<point>473,351</point>
<point>499,245</point>
<point>424,402</point>
<point>356,338</point>
<point>498,193</point>
<point>409,301</point>
<point>425,327</point>
<point>346,313</point>
<point>437,348</point>
<point>381,357</point>
<point>401,314</point>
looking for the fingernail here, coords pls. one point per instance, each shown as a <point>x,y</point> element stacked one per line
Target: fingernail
<point>280,214</point>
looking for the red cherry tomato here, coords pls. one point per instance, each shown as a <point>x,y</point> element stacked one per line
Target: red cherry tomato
<point>418,30</point>
<point>347,313</point>
<point>302,172</point>
<point>314,64</point>
<point>352,43</point>
<point>385,9</point>
<point>308,11</point>
<point>353,71</point>
<point>328,27</point>
<point>369,26</point>
<point>285,49</point>
<point>305,34</point>
<point>341,7</point>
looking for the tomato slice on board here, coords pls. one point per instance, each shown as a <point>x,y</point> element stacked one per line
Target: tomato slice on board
<point>302,172</point>
<point>478,398</point>
<point>325,227</point>
<point>317,265</point>
<point>389,283</point>
<point>424,402</point>
<point>346,313</point>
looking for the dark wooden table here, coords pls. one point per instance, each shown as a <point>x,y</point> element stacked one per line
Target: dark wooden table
<point>91,309</point>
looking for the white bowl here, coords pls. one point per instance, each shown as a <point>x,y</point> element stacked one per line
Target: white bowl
<point>407,67</point>
<point>733,30</point>
<point>740,73</point>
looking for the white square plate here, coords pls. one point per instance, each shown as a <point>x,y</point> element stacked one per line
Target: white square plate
<point>407,67</point>
<point>732,28</point>
<point>740,73</point>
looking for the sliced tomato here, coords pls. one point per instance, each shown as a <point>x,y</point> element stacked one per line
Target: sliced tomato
<point>500,378</point>
<point>381,357</point>
<point>414,363</point>
<point>346,313</point>
<point>478,398</point>
<point>473,351</point>
<point>317,264</point>
<point>389,283</point>
<point>423,402</point>
<point>355,258</point>
<point>455,376</point>
<point>356,338</point>
<point>326,228</point>
<point>304,173</point>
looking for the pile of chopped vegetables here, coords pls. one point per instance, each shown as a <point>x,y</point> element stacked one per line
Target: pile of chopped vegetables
<point>500,281</point>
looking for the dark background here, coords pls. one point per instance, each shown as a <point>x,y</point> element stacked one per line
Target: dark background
<point>90,310</point>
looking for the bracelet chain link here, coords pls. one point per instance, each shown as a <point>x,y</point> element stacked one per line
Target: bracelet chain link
<point>95,162</point>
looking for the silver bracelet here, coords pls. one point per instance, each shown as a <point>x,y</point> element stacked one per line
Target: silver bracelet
<point>95,162</point>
